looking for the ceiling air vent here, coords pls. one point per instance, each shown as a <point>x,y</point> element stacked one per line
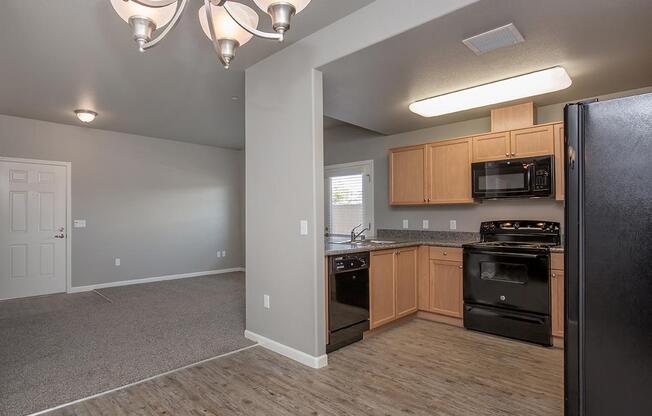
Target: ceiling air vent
<point>501,37</point>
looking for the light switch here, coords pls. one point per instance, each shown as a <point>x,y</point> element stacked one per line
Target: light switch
<point>453,225</point>
<point>304,227</point>
<point>426,224</point>
<point>223,253</point>
<point>266,301</point>
<point>117,261</point>
<point>79,223</point>
<point>406,224</point>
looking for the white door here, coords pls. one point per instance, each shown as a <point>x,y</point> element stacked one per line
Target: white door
<point>32,229</point>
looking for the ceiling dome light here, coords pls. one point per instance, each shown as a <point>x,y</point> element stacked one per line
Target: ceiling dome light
<point>281,11</point>
<point>229,34</point>
<point>142,19</point>
<point>85,116</point>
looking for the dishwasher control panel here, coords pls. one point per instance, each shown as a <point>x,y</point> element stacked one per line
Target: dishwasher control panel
<point>348,262</point>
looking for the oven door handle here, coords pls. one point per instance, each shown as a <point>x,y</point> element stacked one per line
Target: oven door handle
<point>503,254</point>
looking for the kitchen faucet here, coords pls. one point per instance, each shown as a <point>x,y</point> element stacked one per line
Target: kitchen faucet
<point>354,236</point>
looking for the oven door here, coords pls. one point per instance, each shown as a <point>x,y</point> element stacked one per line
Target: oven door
<point>503,179</point>
<point>518,280</point>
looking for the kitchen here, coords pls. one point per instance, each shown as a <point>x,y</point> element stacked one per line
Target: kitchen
<point>462,278</point>
<point>462,222</point>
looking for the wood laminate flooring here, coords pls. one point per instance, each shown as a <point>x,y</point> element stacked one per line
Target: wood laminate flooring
<point>418,368</point>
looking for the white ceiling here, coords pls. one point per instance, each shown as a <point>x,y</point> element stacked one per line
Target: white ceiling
<point>59,55</point>
<point>605,45</point>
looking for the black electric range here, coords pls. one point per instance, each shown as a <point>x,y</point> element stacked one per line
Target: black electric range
<point>507,280</point>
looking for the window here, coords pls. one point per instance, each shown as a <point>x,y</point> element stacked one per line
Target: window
<point>349,197</point>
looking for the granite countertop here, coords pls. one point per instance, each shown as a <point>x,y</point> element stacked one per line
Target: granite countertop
<point>405,238</point>
<point>401,238</point>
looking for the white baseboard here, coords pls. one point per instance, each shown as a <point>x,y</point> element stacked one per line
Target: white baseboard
<point>294,354</point>
<point>88,288</point>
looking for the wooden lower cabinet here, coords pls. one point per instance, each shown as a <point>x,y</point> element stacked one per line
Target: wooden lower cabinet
<point>446,288</point>
<point>392,285</point>
<point>557,293</point>
<point>440,281</point>
<point>557,299</point>
<point>382,288</point>
<point>406,281</point>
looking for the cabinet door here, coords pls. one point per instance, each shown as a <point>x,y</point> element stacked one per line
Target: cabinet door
<point>449,167</point>
<point>424,279</point>
<point>382,288</point>
<point>557,279</point>
<point>406,281</point>
<point>559,161</point>
<point>446,288</point>
<point>533,141</point>
<point>407,168</point>
<point>494,146</point>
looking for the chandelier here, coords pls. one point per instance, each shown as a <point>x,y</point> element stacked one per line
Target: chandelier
<point>226,23</point>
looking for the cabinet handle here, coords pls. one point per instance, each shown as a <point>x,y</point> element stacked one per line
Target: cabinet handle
<point>507,154</point>
<point>460,267</point>
<point>445,254</point>
<point>554,275</point>
<point>513,154</point>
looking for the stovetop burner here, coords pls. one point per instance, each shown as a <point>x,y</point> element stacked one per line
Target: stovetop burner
<point>518,235</point>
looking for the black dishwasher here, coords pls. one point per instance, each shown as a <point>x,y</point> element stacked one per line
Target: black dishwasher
<point>348,299</point>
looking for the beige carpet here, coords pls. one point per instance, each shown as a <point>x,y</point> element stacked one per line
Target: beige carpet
<point>59,348</point>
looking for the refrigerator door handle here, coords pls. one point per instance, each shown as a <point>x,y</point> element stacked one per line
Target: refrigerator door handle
<point>571,157</point>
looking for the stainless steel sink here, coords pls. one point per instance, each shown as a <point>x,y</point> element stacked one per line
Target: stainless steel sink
<point>361,242</point>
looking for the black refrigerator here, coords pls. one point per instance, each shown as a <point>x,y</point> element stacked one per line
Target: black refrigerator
<point>608,262</point>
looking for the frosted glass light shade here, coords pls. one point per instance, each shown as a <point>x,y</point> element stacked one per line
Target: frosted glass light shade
<point>225,27</point>
<point>161,16</point>
<point>298,4</point>
<point>528,85</point>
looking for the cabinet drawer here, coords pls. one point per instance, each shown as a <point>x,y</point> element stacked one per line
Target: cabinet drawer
<point>557,261</point>
<point>446,253</point>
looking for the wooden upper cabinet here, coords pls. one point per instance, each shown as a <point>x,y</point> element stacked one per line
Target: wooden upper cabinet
<point>407,168</point>
<point>559,161</point>
<point>533,141</point>
<point>494,146</point>
<point>382,288</point>
<point>449,171</point>
<point>406,281</point>
<point>557,299</point>
<point>446,288</point>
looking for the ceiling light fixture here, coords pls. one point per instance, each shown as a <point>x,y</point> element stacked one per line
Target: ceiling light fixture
<point>528,85</point>
<point>85,116</point>
<point>233,24</point>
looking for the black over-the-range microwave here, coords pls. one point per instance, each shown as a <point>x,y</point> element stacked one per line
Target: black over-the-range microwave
<point>514,178</point>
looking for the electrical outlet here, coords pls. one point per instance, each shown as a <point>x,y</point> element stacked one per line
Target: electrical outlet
<point>406,224</point>
<point>426,224</point>
<point>219,254</point>
<point>303,227</point>
<point>223,253</point>
<point>117,261</point>
<point>453,225</point>
<point>266,301</point>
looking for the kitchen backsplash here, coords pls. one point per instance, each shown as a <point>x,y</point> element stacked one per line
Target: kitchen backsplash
<point>426,235</point>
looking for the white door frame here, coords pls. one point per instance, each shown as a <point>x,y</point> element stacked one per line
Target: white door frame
<point>68,167</point>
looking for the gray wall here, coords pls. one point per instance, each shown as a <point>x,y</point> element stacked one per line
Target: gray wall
<point>348,143</point>
<point>284,170</point>
<point>163,207</point>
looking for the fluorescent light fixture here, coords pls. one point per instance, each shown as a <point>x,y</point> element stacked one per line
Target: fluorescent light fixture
<point>85,116</point>
<point>522,86</point>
